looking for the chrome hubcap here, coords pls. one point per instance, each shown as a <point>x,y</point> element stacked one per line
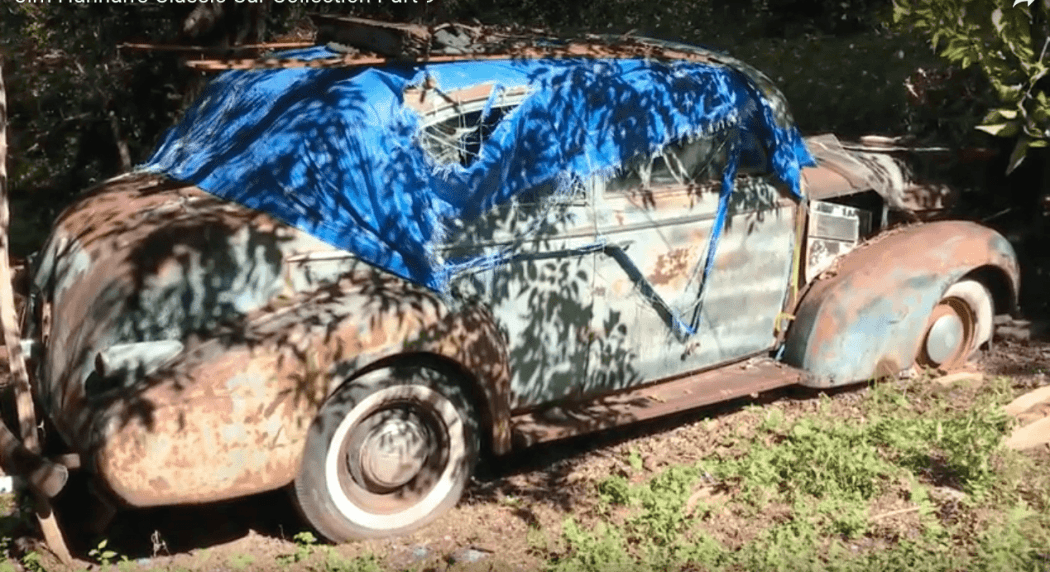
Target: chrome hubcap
<point>944,338</point>
<point>393,452</point>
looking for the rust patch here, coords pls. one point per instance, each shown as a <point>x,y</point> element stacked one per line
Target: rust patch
<point>672,266</point>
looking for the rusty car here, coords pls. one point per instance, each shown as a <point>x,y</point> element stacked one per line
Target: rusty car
<point>351,280</point>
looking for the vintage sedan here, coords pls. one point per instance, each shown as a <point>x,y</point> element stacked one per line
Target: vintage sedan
<point>352,280</point>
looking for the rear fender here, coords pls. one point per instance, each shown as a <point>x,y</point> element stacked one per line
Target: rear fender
<point>865,317</point>
<point>371,316</point>
<point>229,416</point>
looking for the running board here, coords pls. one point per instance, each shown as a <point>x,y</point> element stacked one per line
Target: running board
<point>652,401</point>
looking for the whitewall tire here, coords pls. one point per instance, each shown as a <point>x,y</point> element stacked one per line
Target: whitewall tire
<point>389,452</point>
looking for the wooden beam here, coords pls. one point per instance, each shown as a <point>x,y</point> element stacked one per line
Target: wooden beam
<point>212,49</point>
<point>572,50</point>
<point>384,38</point>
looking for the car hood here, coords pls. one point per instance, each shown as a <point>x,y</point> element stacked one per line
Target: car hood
<point>845,168</point>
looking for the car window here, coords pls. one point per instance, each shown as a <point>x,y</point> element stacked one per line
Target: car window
<point>693,161</point>
<point>456,135</point>
<point>577,193</point>
<point>459,138</point>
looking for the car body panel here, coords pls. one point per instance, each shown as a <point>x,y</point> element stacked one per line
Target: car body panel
<point>865,316</point>
<point>649,275</point>
<point>845,168</point>
<point>540,295</point>
<point>229,418</point>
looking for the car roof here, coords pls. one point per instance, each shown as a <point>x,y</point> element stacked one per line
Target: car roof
<point>334,151</point>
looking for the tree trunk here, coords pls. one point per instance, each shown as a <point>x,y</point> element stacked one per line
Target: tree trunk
<point>15,359</point>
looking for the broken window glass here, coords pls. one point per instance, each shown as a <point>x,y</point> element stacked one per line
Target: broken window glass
<point>459,138</point>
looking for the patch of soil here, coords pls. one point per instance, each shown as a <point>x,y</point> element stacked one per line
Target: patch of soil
<point>1026,361</point>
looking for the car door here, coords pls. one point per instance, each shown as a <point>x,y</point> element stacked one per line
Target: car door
<point>655,315</point>
<point>532,257</point>
<point>539,291</point>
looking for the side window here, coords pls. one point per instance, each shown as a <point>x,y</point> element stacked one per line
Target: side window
<point>690,162</point>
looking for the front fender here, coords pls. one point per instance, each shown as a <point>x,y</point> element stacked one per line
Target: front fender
<point>867,318</point>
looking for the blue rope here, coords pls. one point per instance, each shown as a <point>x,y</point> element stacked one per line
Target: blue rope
<point>728,180</point>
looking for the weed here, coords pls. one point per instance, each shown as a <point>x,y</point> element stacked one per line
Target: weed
<point>105,556</point>
<point>336,563</point>
<point>919,496</point>
<point>788,546</point>
<point>1015,544</point>
<point>305,542</point>
<point>702,551</point>
<point>773,420</point>
<point>824,473</point>
<point>511,501</point>
<point>537,540</point>
<point>598,551</point>
<point>634,459</point>
<point>815,458</point>
<point>32,561</point>
<point>241,561</point>
<point>662,500</point>
<point>945,446</point>
<point>914,556</point>
<point>843,517</point>
<point>614,490</point>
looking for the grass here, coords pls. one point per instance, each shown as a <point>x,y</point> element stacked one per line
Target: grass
<point>902,475</point>
<point>911,477</point>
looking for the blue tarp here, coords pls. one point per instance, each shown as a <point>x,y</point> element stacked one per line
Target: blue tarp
<point>336,153</point>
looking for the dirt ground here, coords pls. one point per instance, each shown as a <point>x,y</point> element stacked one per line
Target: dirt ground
<point>510,514</point>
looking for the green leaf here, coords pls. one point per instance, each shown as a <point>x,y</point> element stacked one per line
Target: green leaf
<point>1009,93</point>
<point>1004,129</point>
<point>997,20</point>
<point>1040,113</point>
<point>1019,152</point>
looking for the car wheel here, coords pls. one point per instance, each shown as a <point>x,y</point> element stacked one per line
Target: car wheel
<point>959,324</point>
<point>389,452</point>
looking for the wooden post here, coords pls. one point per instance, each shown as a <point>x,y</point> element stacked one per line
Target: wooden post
<point>12,340</point>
